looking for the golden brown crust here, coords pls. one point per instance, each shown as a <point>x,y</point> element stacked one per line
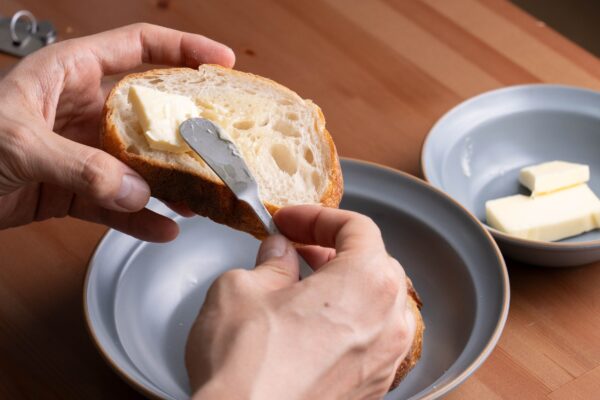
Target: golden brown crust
<point>414,354</point>
<point>202,195</point>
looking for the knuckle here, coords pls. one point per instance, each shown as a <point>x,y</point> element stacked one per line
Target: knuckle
<point>367,221</point>
<point>389,283</point>
<point>386,277</point>
<point>233,278</point>
<point>225,291</point>
<point>95,174</point>
<point>18,152</point>
<point>140,26</point>
<point>397,268</point>
<point>386,284</point>
<point>360,218</point>
<point>139,29</point>
<point>366,225</point>
<point>62,51</point>
<point>401,332</point>
<point>394,342</point>
<point>68,46</point>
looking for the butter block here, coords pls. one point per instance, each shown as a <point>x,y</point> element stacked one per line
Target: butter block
<point>553,216</point>
<point>553,175</point>
<point>160,115</point>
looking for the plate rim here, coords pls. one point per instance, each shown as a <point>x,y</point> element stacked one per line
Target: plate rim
<point>538,244</point>
<point>94,338</point>
<point>437,392</point>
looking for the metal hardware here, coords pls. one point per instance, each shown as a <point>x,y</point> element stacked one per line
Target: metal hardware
<point>22,34</point>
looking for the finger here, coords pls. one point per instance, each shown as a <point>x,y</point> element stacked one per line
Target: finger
<point>316,256</point>
<point>145,224</point>
<point>276,263</point>
<point>329,227</point>
<point>402,309</point>
<point>411,323</point>
<point>125,48</point>
<point>405,336</point>
<point>89,172</point>
<point>181,208</point>
<point>395,266</point>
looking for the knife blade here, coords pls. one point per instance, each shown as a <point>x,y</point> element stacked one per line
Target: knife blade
<point>224,158</point>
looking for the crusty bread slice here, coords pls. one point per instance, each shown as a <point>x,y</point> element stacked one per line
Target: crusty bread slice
<point>281,136</point>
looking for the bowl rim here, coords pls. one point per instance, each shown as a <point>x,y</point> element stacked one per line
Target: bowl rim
<point>121,372</point>
<point>435,393</point>
<point>539,244</point>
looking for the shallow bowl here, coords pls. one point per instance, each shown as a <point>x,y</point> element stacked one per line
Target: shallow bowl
<point>141,298</point>
<point>475,151</point>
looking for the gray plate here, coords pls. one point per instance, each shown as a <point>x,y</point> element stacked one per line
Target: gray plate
<point>474,153</point>
<point>141,298</point>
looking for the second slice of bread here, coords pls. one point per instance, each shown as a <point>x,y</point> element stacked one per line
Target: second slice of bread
<point>281,136</point>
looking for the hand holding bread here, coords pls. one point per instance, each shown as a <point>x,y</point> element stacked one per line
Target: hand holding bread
<point>50,116</point>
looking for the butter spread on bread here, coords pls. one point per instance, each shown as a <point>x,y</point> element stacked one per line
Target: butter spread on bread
<point>160,114</point>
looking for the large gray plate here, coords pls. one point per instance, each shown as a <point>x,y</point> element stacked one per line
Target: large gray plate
<point>475,151</point>
<point>141,298</point>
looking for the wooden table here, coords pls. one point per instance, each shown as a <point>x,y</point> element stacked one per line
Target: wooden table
<point>383,71</point>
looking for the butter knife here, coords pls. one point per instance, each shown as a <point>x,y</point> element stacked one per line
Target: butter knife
<point>223,157</point>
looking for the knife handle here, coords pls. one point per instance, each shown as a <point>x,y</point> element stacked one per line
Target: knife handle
<point>267,221</point>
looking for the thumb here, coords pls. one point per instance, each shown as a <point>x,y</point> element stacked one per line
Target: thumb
<point>276,263</point>
<point>92,173</point>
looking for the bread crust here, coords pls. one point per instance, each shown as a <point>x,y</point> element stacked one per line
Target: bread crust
<point>202,195</point>
<point>414,354</point>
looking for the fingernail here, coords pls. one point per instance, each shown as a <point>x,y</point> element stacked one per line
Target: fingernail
<point>273,247</point>
<point>133,193</point>
<point>232,57</point>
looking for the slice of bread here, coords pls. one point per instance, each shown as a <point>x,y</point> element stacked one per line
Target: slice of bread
<point>281,136</point>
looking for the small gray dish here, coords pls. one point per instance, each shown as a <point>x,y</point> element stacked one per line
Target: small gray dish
<point>140,298</point>
<point>475,151</point>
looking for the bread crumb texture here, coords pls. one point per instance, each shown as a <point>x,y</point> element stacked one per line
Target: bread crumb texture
<point>281,136</point>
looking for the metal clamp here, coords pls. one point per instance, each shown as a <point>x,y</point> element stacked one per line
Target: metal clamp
<point>22,34</point>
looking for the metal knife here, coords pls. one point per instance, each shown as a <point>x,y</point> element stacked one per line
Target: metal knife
<point>223,157</point>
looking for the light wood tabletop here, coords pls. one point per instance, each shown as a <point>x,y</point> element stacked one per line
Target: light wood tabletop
<point>383,71</point>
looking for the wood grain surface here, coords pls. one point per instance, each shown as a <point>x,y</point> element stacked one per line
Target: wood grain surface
<point>383,71</point>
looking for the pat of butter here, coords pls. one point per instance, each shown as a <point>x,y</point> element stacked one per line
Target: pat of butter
<point>553,175</point>
<point>160,115</point>
<point>553,216</point>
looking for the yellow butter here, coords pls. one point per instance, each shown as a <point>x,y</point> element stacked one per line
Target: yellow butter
<point>160,115</point>
<point>553,175</point>
<point>549,217</point>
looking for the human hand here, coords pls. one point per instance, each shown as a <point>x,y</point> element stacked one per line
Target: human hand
<point>50,109</point>
<point>340,333</point>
